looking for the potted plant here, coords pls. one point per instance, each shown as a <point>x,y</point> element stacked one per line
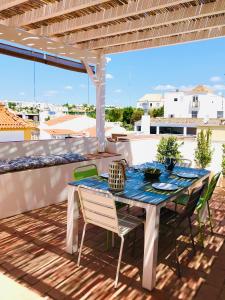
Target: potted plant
<point>151,173</point>
<point>168,147</point>
<point>203,152</point>
<point>222,182</point>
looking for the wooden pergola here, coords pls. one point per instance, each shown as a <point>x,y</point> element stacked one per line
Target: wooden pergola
<point>87,30</point>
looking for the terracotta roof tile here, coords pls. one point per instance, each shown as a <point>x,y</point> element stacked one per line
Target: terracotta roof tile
<point>9,120</point>
<point>60,131</point>
<point>61,119</point>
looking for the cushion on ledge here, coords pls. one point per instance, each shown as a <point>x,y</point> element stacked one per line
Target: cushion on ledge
<point>72,157</point>
<point>39,161</point>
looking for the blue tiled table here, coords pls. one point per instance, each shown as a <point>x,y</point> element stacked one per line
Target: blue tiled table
<point>138,192</point>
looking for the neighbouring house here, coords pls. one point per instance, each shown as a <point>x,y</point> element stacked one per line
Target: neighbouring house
<point>75,125</point>
<point>200,102</point>
<point>184,127</point>
<point>149,101</point>
<point>14,128</point>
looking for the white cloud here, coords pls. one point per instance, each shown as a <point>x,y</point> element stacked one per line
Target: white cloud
<point>83,86</point>
<point>22,93</point>
<point>109,76</point>
<point>218,87</point>
<point>185,88</point>
<point>108,59</point>
<point>215,79</point>
<point>51,93</point>
<point>164,87</point>
<point>68,87</point>
<point>118,91</point>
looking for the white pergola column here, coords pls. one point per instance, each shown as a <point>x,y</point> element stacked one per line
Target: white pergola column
<point>100,102</point>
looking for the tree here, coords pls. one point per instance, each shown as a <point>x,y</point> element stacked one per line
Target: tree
<point>157,112</point>
<point>136,116</point>
<point>114,114</point>
<point>127,114</point>
<point>203,152</point>
<point>168,147</point>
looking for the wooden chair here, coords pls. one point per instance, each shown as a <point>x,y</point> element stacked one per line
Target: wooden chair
<point>98,208</point>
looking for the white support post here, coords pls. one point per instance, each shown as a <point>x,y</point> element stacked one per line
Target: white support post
<point>100,103</point>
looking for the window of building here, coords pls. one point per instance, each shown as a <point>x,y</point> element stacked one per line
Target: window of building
<point>150,104</point>
<point>194,114</point>
<point>138,128</point>
<point>171,116</point>
<point>195,102</point>
<point>175,99</point>
<point>191,131</point>
<point>171,130</point>
<point>195,98</point>
<point>219,114</point>
<point>152,129</point>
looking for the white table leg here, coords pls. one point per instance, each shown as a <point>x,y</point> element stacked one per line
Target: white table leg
<point>72,221</point>
<point>150,246</point>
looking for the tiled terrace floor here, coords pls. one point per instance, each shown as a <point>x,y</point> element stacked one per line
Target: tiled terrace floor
<point>32,253</point>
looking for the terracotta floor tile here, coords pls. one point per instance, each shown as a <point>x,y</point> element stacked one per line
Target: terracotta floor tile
<point>32,252</point>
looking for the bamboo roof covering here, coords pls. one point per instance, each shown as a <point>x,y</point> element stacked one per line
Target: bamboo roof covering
<point>112,26</point>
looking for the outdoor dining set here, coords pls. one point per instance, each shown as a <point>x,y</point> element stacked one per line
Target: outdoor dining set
<point>168,194</point>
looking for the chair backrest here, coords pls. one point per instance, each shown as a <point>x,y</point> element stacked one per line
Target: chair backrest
<point>192,203</point>
<point>184,162</point>
<point>83,172</point>
<point>209,191</point>
<point>98,208</point>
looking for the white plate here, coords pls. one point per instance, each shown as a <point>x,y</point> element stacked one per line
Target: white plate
<point>186,175</point>
<point>165,186</point>
<point>105,175</point>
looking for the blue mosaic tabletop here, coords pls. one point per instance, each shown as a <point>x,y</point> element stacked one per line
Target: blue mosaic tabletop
<point>139,189</point>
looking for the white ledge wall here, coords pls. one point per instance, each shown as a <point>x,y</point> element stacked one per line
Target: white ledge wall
<point>144,150</point>
<point>83,145</point>
<point>31,189</point>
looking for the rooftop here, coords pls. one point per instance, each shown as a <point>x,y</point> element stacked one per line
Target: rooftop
<point>9,120</point>
<point>32,248</point>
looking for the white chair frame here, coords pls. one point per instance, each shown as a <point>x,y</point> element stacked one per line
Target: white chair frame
<point>98,208</point>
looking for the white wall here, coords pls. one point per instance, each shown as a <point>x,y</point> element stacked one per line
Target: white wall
<point>82,145</point>
<point>6,136</point>
<point>144,150</point>
<point>209,104</point>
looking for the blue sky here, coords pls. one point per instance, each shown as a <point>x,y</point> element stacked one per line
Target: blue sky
<point>129,75</point>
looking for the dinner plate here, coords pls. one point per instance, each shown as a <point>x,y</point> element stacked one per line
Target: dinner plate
<point>186,175</point>
<point>105,175</point>
<point>165,186</point>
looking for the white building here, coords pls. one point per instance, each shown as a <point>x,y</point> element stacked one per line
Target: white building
<point>149,101</point>
<point>200,102</point>
<point>75,125</point>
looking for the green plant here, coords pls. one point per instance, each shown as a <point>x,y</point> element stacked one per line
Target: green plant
<point>203,152</point>
<point>223,160</point>
<point>168,147</point>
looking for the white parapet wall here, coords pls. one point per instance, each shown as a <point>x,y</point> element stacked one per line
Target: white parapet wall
<point>31,189</point>
<point>144,149</point>
<point>81,145</point>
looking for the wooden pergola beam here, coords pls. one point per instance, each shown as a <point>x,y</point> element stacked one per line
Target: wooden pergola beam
<point>115,13</point>
<point>159,32</point>
<point>5,4</point>
<point>51,10</point>
<point>168,41</point>
<point>183,14</point>
<point>46,59</point>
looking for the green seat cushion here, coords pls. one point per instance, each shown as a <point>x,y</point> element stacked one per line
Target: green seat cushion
<point>182,200</point>
<point>82,174</point>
